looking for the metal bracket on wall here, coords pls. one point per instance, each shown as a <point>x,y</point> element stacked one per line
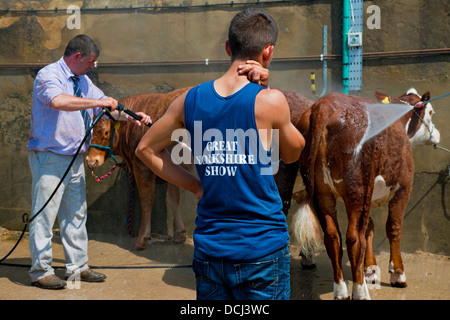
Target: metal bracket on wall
<point>355,50</point>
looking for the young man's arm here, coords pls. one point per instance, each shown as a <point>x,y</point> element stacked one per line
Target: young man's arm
<point>152,149</point>
<point>272,112</point>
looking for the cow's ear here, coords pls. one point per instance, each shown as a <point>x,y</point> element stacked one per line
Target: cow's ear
<point>426,96</point>
<point>381,97</point>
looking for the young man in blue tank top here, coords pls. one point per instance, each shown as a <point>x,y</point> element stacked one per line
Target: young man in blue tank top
<point>237,129</point>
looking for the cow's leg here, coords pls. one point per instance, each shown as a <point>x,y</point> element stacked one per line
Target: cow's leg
<point>326,205</point>
<point>356,246</point>
<point>370,263</point>
<point>358,220</point>
<point>394,226</point>
<point>146,187</point>
<point>332,239</point>
<point>173,198</point>
<point>285,180</point>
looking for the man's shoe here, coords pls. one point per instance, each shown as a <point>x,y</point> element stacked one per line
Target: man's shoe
<point>50,282</point>
<point>90,276</point>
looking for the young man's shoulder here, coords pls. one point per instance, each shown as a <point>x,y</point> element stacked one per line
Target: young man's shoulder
<point>271,98</point>
<point>272,94</point>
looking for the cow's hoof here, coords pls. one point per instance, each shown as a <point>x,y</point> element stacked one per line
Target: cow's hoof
<point>398,279</point>
<point>399,284</point>
<point>308,263</point>
<point>137,248</point>
<point>179,236</point>
<point>312,266</point>
<point>140,245</point>
<point>340,291</point>
<point>342,298</point>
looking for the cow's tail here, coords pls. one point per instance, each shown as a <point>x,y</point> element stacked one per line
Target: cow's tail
<point>306,231</point>
<point>306,227</point>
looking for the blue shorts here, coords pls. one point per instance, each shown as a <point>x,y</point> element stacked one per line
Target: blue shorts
<point>266,278</point>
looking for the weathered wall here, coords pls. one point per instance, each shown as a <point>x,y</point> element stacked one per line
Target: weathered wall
<point>183,33</point>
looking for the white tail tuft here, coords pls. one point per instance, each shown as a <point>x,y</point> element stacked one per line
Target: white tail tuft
<point>305,230</point>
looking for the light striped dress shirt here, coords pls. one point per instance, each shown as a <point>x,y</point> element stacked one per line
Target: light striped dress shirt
<point>60,132</point>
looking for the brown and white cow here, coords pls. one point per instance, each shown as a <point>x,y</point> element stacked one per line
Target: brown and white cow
<point>126,139</point>
<point>420,130</point>
<point>334,165</point>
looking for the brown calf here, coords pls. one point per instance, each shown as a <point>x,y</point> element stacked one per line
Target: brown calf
<point>125,142</point>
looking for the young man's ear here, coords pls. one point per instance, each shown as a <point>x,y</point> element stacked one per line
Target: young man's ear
<point>267,53</point>
<point>227,48</point>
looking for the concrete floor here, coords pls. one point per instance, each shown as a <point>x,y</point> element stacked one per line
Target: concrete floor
<point>162,272</point>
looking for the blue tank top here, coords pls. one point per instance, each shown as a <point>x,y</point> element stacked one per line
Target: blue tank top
<point>240,214</point>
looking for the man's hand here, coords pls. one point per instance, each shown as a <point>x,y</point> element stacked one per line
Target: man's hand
<point>255,72</point>
<point>109,103</point>
<point>145,119</point>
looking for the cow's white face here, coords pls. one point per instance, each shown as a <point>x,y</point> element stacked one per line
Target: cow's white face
<point>427,133</point>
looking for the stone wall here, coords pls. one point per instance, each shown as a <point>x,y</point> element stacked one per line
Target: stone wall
<point>175,38</point>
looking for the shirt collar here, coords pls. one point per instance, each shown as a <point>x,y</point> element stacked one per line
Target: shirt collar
<point>65,68</point>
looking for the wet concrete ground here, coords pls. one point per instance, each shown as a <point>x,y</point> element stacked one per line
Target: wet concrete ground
<point>162,272</point>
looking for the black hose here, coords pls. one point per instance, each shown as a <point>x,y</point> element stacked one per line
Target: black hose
<point>25,217</point>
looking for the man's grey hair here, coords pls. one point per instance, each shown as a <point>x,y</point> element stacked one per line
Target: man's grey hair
<point>82,44</point>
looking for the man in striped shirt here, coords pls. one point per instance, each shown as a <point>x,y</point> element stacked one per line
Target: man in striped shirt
<point>65,102</point>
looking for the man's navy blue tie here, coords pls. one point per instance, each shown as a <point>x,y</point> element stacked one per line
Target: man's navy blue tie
<point>84,113</point>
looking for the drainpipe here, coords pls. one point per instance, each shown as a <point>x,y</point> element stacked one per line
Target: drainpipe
<point>324,67</point>
<point>345,58</point>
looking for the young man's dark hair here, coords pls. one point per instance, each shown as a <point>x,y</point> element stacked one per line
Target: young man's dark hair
<point>250,31</point>
<point>82,44</point>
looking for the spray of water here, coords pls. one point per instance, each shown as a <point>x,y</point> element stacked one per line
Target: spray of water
<point>380,116</point>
